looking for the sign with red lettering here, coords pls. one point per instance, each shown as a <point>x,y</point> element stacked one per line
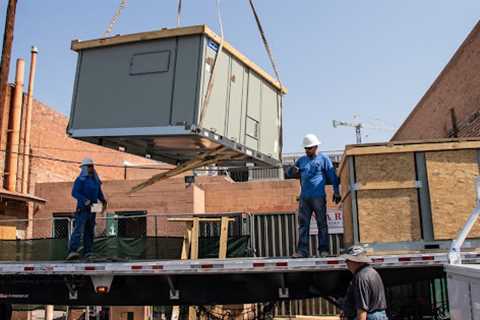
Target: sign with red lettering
<point>334,222</point>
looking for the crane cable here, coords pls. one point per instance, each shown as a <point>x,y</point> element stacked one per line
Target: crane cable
<point>179,12</point>
<point>275,70</point>
<point>123,4</point>
<point>211,79</point>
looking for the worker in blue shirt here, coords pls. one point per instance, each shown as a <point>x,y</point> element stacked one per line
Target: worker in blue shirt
<point>314,170</point>
<point>87,190</point>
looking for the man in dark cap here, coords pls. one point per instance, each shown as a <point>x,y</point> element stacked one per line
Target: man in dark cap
<point>365,299</point>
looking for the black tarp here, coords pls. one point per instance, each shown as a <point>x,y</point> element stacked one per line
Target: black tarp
<point>146,248</point>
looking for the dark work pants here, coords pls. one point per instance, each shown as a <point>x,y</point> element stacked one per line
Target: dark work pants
<point>84,224</point>
<point>307,207</point>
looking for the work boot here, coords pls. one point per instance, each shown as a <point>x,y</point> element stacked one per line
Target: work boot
<point>72,256</point>
<point>324,254</point>
<point>89,256</point>
<point>298,255</point>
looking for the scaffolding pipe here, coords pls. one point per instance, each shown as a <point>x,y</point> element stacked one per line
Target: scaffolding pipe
<point>16,117</point>
<point>28,121</point>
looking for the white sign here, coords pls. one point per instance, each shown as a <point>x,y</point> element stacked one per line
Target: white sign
<point>334,222</point>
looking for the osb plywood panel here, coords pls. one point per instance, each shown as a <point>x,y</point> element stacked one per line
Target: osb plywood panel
<point>451,179</point>
<point>8,232</point>
<point>347,221</point>
<point>389,215</point>
<point>385,168</point>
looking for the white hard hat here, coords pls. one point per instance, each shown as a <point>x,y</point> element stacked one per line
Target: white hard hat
<point>310,140</point>
<point>87,162</point>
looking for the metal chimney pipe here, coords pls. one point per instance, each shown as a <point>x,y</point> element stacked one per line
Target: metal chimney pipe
<point>16,117</point>
<point>28,121</point>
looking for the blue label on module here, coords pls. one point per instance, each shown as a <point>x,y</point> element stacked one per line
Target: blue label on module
<point>213,45</point>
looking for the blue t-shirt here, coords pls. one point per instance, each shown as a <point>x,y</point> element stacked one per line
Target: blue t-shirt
<point>314,174</point>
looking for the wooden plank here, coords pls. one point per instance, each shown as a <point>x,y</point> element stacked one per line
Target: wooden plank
<point>200,219</point>
<point>222,254</point>
<point>442,146</point>
<point>413,141</point>
<point>387,185</point>
<point>388,215</point>
<point>344,175</point>
<point>195,234</point>
<point>451,178</point>
<point>201,161</point>
<point>8,232</point>
<point>187,240</point>
<point>78,45</point>
<point>347,221</point>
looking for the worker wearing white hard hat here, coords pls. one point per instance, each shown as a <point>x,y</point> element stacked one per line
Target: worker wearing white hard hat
<point>314,170</point>
<point>87,190</point>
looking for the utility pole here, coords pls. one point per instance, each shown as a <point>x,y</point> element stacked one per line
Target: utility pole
<point>6,54</point>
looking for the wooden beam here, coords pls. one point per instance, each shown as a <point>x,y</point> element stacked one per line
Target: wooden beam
<point>385,185</point>
<point>78,45</point>
<point>201,161</point>
<point>195,235</point>
<point>421,147</point>
<point>223,245</point>
<point>187,241</point>
<point>200,219</point>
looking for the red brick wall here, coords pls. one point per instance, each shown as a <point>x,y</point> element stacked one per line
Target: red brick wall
<point>49,139</point>
<point>212,194</point>
<point>50,143</point>
<point>164,198</point>
<point>254,196</point>
<point>457,87</point>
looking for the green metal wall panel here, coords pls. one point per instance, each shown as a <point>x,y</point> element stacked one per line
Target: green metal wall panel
<point>186,92</point>
<point>254,96</point>
<point>217,107</point>
<point>269,126</point>
<point>116,87</point>
<point>235,100</point>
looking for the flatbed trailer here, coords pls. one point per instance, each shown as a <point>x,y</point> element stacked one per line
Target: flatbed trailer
<point>202,282</point>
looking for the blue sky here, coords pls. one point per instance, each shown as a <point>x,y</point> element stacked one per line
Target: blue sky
<point>372,58</point>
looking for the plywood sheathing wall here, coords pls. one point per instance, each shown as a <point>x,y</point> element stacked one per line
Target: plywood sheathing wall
<point>389,211</point>
<point>451,178</point>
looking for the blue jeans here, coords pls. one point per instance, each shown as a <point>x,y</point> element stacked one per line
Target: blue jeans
<point>307,207</point>
<point>378,315</point>
<point>84,224</point>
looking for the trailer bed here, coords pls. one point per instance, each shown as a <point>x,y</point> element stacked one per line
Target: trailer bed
<point>202,282</point>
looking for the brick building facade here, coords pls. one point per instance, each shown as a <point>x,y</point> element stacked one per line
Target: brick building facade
<point>451,106</point>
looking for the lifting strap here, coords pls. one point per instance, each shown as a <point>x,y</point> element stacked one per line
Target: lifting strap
<point>275,70</point>
<point>179,12</point>
<point>211,79</point>
<point>116,16</point>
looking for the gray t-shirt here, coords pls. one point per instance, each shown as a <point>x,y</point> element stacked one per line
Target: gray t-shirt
<point>368,290</point>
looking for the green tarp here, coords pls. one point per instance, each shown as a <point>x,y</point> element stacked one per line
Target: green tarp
<point>149,248</point>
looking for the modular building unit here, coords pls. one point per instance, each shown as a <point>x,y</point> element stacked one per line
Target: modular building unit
<point>145,93</point>
<point>410,195</point>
